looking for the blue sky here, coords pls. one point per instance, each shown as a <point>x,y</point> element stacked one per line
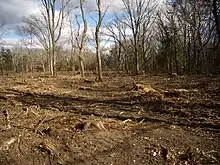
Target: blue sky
<point>12,12</point>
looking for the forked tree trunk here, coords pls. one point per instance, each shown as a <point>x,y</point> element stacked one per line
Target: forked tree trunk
<point>82,42</point>
<point>97,40</point>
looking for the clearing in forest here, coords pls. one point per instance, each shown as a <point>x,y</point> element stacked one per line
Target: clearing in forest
<point>122,120</point>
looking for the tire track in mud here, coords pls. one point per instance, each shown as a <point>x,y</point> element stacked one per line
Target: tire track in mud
<point>81,105</point>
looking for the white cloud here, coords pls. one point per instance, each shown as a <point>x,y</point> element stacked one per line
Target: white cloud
<point>17,42</point>
<point>12,11</point>
<point>9,42</point>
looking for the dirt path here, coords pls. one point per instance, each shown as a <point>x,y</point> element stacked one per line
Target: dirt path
<point>177,123</point>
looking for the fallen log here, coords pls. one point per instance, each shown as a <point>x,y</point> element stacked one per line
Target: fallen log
<point>141,87</point>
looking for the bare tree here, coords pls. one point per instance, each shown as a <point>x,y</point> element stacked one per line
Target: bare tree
<point>72,42</point>
<point>27,39</point>
<point>54,25</point>
<point>48,26</point>
<point>187,35</point>
<point>117,31</point>
<point>134,26</point>
<point>101,15</point>
<point>81,40</point>
<point>37,25</point>
<point>138,18</point>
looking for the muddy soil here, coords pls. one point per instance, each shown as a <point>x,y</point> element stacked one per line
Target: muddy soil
<point>122,120</point>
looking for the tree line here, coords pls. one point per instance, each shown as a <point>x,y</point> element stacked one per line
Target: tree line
<point>181,37</point>
<point>177,36</point>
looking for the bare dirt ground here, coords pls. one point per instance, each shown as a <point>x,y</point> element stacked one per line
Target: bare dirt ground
<point>120,121</point>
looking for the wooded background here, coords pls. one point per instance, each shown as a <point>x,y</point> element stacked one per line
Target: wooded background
<point>178,36</point>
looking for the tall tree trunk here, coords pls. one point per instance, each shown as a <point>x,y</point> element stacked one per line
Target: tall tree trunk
<point>216,17</point>
<point>81,65</point>
<point>189,53</point>
<point>26,67</point>
<point>2,68</point>
<point>82,42</point>
<point>43,66</point>
<point>97,40</point>
<point>54,60</point>
<point>119,59</point>
<point>136,68</point>
<point>98,56</point>
<point>31,65</point>
<point>22,65</point>
<point>73,67</point>
<point>51,64</point>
